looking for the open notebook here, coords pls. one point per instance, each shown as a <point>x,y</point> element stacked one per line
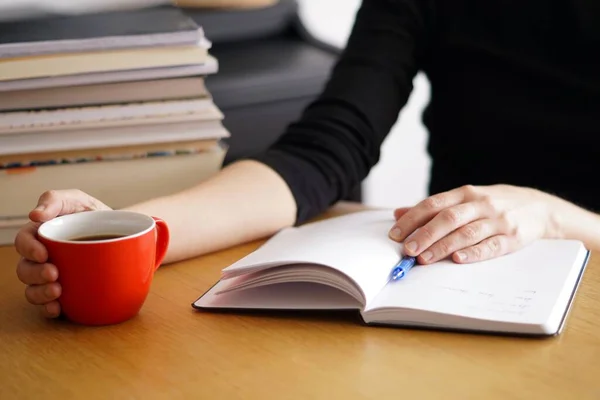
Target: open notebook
<point>345,263</point>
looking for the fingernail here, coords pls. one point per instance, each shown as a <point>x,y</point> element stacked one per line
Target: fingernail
<point>411,246</point>
<point>461,256</point>
<point>395,233</point>
<point>427,256</point>
<point>41,207</point>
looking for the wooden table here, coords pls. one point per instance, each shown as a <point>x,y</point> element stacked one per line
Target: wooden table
<point>172,352</point>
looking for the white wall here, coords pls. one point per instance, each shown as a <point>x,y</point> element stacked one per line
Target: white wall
<point>22,9</point>
<point>402,175</point>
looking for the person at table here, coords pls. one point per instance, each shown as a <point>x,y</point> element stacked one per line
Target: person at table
<point>514,126</point>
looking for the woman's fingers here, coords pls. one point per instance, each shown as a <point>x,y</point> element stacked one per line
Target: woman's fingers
<point>442,225</point>
<point>50,310</point>
<point>28,246</point>
<point>491,247</point>
<point>399,212</point>
<point>465,236</point>
<point>426,210</point>
<point>53,203</point>
<point>43,294</point>
<point>31,273</point>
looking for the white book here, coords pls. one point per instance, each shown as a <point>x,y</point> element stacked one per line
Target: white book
<point>107,115</point>
<point>126,135</point>
<point>104,93</point>
<point>345,263</point>
<point>44,66</point>
<point>118,183</point>
<point>208,67</point>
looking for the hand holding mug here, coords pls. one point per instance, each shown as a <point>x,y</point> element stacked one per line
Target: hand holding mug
<point>95,267</point>
<point>34,270</point>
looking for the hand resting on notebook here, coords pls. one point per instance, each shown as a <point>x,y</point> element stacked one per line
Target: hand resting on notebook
<point>475,223</point>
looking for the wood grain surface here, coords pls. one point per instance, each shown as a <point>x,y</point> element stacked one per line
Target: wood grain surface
<point>171,351</point>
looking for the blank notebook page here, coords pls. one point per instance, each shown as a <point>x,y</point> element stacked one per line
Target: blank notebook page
<point>357,244</point>
<point>519,287</point>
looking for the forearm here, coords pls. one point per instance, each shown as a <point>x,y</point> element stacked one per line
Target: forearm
<point>245,201</point>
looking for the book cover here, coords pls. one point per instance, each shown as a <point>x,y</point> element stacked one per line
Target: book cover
<point>208,67</point>
<point>43,66</point>
<point>151,27</point>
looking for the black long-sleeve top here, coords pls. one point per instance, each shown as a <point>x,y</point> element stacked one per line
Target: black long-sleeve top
<point>515,99</point>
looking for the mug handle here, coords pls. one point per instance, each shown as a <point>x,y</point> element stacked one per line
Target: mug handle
<point>162,241</point>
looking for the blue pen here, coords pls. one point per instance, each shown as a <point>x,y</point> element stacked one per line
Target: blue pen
<point>402,268</point>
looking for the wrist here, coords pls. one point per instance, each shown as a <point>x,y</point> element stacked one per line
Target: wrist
<point>569,221</point>
<point>557,223</point>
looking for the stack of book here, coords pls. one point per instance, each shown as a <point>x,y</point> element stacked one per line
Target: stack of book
<point>112,103</point>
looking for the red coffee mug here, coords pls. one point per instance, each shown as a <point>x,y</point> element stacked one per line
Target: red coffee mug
<point>106,262</point>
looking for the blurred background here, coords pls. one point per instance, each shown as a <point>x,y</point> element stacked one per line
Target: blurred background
<point>273,56</point>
